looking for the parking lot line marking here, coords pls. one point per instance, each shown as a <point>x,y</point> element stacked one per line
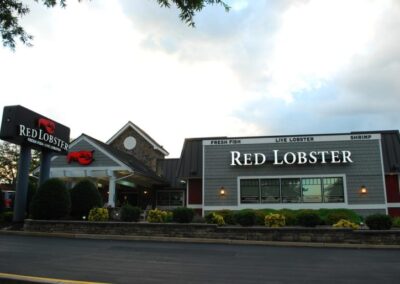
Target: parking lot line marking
<point>43,279</point>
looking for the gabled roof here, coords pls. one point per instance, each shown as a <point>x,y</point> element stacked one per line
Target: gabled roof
<point>129,160</point>
<point>123,159</point>
<point>142,133</point>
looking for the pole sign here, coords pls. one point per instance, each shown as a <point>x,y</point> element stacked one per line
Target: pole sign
<point>27,128</point>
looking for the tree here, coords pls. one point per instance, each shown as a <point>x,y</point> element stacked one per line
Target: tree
<point>9,156</point>
<point>12,10</point>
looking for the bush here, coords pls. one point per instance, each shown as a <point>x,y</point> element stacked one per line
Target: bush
<point>182,215</point>
<point>130,213</point>
<point>7,217</point>
<point>290,216</point>
<point>274,220</point>
<point>332,216</point>
<point>228,215</point>
<point>51,201</point>
<point>84,197</point>
<point>215,218</point>
<point>245,217</point>
<point>308,218</point>
<point>159,216</point>
<point>379,222</point>
<point>396,222</point>
<point>346,224</point>
<point>98,214</point>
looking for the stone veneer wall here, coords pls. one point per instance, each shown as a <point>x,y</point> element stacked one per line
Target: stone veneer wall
<point>143,150</point>
<point>317,235</point>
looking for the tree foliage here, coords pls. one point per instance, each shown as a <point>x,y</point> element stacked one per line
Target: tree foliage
<point>9,156</point>
<point>12,10</point>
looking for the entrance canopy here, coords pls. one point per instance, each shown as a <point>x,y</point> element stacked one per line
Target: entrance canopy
<point>91,158</point>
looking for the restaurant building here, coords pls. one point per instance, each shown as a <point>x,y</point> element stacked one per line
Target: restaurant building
<point>357,170</point>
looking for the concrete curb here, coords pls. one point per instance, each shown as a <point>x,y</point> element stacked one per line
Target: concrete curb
<point>198,240</point>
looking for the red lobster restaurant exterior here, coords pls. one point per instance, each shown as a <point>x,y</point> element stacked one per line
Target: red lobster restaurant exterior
<point>357,170</point>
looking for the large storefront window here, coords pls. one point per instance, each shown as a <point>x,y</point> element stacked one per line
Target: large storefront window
<point>170,198</point>
<point>250,191</point>
<point>292,190</point>
<point>312,189</point>
<point>270,191</point>
<point>333,190</point>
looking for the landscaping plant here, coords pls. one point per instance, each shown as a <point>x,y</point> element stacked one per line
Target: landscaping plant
<point>159,216</point>
<point>379,222</point>
<point>84,197</point>
<point>98,214</point>
<point>396,222</point>
<point>343,223</point>
<point>130,213</point>
<point>182,215</point>
<point>215,218</point>
<point>228,215</point>
<point>51,201</point>
<point>274,220</point>
<point>308,218</point>
<point>245,217</point>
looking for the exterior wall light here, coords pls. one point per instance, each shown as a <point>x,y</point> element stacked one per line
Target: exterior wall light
<point>222,191</point>
<point>363,190</point>
<point>145,192</point>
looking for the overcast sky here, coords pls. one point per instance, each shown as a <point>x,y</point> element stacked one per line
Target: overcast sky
<point>264,68</point>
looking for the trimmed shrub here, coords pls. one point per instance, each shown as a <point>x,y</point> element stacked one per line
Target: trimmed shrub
<point>308,218</point>
<point>215,218</point>
<point>51,201</point>
<point>182,215</point>
<point>245,217</point>
<point>159,216</point>
<point>130,213</point>
<point>98,214</point>
<point>7,217</point>
<point>346,224</point>
<point>379,222</point>
<point>396,222</point>
<point>84,197</point>
<point>274,220</point>
<point>228,215</point>
<point>332,216</point>
<point>290,216</point>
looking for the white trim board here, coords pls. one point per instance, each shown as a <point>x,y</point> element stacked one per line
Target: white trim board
<point>295,206</point>
<point>291,139</point>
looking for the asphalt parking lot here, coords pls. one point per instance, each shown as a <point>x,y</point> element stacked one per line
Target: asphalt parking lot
<point>169,262</point>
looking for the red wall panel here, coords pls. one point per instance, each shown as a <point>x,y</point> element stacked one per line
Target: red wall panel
<point>195,191</point>
<point>394,212</point>
<point>392,188</point>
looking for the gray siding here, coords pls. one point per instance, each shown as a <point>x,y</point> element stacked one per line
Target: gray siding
<point>100,159</point>
<point>366,169</point>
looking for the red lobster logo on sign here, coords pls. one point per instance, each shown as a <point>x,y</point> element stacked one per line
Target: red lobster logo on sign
<point>84,158</point>
<point>48,125</point>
